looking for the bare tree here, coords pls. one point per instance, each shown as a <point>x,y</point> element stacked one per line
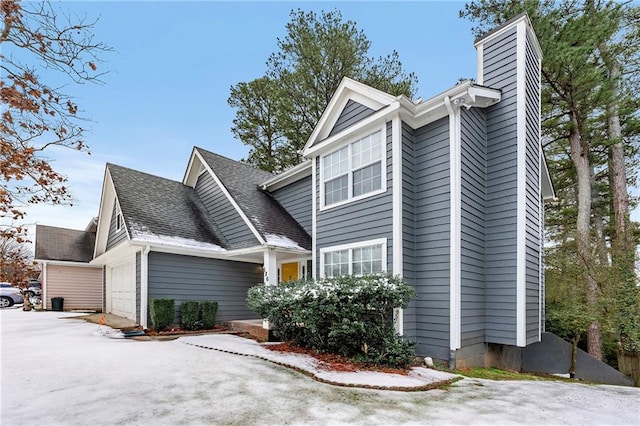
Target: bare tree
<point>37,115</point>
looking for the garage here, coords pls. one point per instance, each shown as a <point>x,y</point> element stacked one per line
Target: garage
<point>122,281</point>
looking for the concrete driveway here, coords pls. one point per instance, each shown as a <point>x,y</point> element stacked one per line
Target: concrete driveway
<point>60,372</point>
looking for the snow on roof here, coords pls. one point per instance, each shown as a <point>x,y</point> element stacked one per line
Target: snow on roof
<point>282,242</point>
<point>173,241</point>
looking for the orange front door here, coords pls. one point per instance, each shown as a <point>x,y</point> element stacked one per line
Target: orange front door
<point>289,271</point>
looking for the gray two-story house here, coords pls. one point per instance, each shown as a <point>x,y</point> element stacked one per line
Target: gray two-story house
<point>447,193</point>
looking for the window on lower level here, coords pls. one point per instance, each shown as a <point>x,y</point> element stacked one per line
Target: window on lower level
<point>357,259</point>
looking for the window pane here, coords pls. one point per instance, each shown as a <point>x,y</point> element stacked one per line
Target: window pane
<point>336,190</point>
<point>367,179</point>
<point>376,146</point>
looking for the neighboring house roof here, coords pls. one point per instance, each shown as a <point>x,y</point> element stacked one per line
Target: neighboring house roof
<point>63,244</point>
<point>269,218</point>
<point>154,208</point>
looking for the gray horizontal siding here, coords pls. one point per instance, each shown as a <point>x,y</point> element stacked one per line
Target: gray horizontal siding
<point>472,244</point>
<point>138,285</point>
<point>501,204</point>
<point>297,200</point>
<point>114,238</point>
<point>196,278</point>
<point>408,226</point>
<point>361,220</point>
<point>233,227</point>
<point>533,197</point>
<point>432,238</point>
<point>351,114</point>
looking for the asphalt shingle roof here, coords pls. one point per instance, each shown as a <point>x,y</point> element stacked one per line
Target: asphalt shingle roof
<point>162,207</point>
<point>265,213</point>
<point>53,243</point>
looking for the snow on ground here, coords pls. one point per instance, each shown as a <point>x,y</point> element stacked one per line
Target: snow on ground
<point>58,371</point>
<point>419,377</point>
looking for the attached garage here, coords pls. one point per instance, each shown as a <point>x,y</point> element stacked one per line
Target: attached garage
<point>121,289</point>
<point>79,285</point>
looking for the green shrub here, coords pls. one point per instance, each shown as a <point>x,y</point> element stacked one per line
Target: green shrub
<point>209,310</point>
<point>162,313</point>
<point>347,315</point>
<point>190,315</point>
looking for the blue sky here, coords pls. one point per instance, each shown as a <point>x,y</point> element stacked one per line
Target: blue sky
<point>174,62</point>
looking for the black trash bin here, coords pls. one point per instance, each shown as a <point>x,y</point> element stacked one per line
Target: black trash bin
<point>57,303</point>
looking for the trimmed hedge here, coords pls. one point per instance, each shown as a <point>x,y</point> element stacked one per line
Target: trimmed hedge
<point>209,310</point>
<point>190,315</point>
<point>198,315</point>
<point>162,313</point>
<point>348,315</point>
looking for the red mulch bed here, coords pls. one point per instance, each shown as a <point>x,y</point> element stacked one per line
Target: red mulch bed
<point>173,331</point>
<point>333,362</point>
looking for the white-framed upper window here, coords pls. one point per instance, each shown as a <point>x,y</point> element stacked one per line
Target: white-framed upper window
<point>355,171</point>
<point>361,258</point>
<point>119,220</point>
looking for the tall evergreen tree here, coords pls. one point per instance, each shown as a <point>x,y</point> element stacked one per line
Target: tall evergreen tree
<point>276,114</point>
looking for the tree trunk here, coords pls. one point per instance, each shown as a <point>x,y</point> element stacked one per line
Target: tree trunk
<point>624,249</point>
<point>574,356</point>
<point>580,157</point>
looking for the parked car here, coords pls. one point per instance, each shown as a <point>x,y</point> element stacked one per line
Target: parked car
<point>34,288</point>
<point>9,295</point>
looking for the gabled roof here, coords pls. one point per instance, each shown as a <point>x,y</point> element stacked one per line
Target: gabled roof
<point>154,207</point>
<point>63,244</point>
<point>265,214</point>
<point>347,90</point>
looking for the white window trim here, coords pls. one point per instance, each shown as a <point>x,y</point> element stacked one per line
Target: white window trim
<point>383,172</point>
<point>119,223</point>
<point>360,244</point>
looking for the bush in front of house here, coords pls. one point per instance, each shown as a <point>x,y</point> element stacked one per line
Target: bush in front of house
<point>162,313</point>
<point>347,315</point>
<point>190,315</point>
<point>198,315</point>
<point>209,310</point>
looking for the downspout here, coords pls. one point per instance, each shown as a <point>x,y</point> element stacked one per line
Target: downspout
<point>455,229</point>
<point>144,286</point>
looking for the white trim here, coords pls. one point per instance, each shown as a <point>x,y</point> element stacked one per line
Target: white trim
<point>396,164</point>
<point>66,263</point>
<point>288,176</point>
<point>368,124</point>
<point>270,267</point>
<point>144,285</point>
<point>231,199</point>
<point>383,168</point>
<point>314,217</point>
<point>376,242</point>
<point>348,89</point>
<point>455,220</point>
<point>119,218</point>
<point>45,284</point>
<point>480,63</point>
<point>521,284</point>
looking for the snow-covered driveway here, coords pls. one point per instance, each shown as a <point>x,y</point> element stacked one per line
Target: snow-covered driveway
<point>57,372</point>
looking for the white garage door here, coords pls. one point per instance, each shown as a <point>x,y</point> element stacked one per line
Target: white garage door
<point>123,290</point>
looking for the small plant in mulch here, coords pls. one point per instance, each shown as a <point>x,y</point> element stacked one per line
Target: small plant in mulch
<point>175,330</point>
<point>336,362</point>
